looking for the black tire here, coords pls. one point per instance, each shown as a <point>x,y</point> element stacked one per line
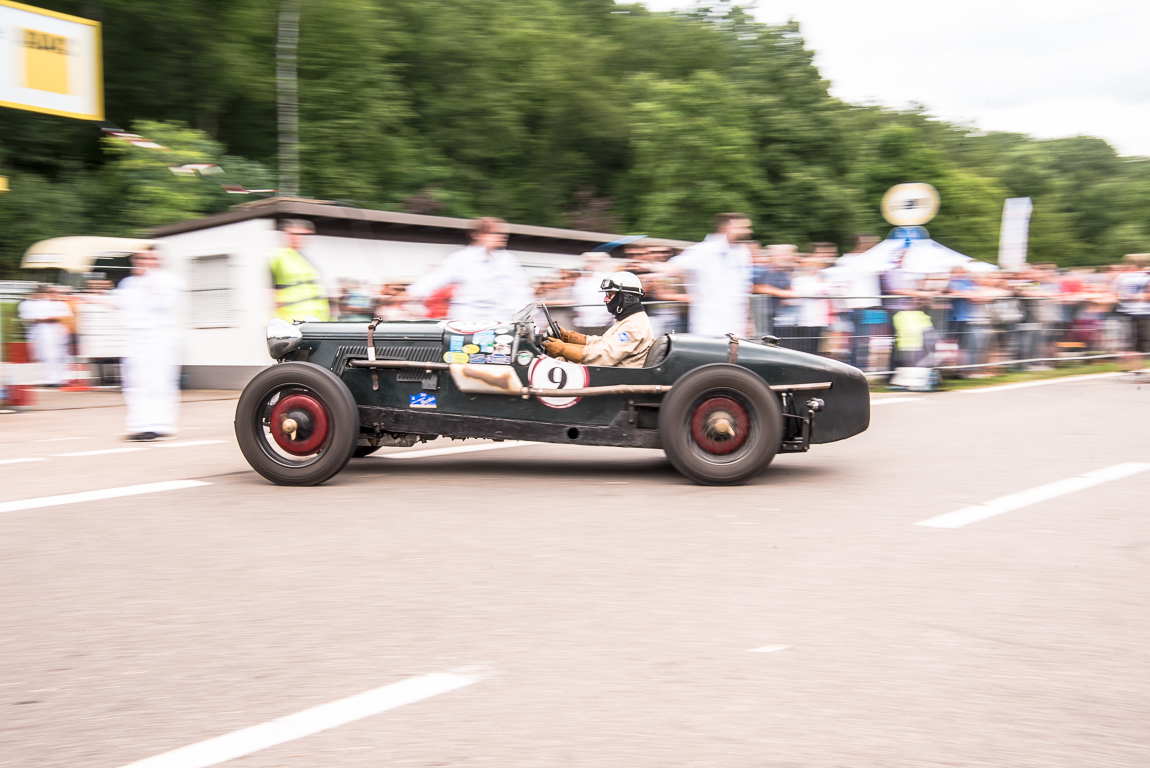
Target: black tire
<point>364,450</point>
<point>254,431</point>
<point>707,396</point>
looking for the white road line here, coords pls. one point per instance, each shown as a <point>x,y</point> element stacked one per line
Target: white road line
<point>187,444</point>
<point>770,648</point>
<point>58,439</point>
<point>968,515</point>
<point>310,721</point>
<point>102,452</point>
<point>148,447</point>
<point>889,400</point>
<point>457,449</point>
<point>18,461</point>
<point>1042,383</point>
<point>106,493</point>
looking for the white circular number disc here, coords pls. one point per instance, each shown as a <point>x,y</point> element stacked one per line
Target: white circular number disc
<point>910,205</point>
<point>552,373</point>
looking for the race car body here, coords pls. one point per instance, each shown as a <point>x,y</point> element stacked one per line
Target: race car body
<point>720,407</point>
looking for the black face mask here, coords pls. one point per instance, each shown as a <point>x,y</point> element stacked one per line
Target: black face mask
<point>624,305</point>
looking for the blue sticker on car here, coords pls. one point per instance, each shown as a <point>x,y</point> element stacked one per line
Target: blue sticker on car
<point>422,400</point>
<point>477,358</point>
<point>456,344</point>
<point>485,340</point>
<point>499,359</point>
<point>623,336</point>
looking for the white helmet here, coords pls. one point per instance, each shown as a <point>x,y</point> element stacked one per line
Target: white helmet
<point>622,282</point>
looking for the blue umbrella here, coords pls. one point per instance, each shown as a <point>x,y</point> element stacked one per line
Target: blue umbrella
<point>616,243</point>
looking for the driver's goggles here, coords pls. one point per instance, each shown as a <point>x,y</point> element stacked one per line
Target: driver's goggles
<point>609,284</point>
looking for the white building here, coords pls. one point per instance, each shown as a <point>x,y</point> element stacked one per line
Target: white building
<point>224,261</point>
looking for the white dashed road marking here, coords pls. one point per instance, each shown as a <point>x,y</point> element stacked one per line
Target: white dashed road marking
<point>457,449</point>
<point>106,493</point>
<point>1042,383</point>
<point>102,451</point>
<point>148,447</point>
<point>18,461</point>
<point>297,726</point>
<point>770,648</point>
<point>968,515</point>
<point>889,400</point>
<point>187,444</point>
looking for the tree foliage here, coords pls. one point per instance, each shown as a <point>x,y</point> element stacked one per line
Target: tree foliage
<point>553,112</point>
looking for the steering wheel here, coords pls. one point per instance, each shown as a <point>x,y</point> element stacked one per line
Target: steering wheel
<point>553,328</point>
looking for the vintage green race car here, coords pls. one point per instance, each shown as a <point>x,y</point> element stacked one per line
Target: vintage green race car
<point>721,408</point>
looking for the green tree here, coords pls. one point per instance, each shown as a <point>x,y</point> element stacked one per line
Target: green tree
<point>695,154</point>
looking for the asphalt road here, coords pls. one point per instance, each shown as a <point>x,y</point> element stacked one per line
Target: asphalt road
<point>593,608</point>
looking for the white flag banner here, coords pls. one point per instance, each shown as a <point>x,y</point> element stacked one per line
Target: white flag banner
<point>1015,230</point>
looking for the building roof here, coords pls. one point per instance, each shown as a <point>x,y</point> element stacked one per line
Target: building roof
<point>344,221</point>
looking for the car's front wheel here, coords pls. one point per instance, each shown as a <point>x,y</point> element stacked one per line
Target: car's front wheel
<point>297,424</point>
<point>720,425</point>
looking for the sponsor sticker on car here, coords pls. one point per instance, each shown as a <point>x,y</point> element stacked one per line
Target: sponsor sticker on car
<point>485,340</point>
<point>422,400</point>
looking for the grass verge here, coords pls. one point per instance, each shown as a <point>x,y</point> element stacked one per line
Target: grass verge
<point>1015,376</point>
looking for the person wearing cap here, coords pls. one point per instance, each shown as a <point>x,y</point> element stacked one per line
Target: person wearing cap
<point>626,343</point>
<point>299,291</point>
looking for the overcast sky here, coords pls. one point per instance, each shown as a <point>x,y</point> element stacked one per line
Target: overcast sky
<point>1047,68</point>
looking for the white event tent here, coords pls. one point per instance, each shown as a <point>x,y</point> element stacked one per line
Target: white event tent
<point>920,256</point>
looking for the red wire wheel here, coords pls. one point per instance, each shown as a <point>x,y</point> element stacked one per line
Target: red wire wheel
<point>313,424</point>
<point>720,426</point>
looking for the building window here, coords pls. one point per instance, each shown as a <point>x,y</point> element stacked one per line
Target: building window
<point>211,292</point>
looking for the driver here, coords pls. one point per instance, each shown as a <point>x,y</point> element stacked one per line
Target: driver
<point>626,343</point>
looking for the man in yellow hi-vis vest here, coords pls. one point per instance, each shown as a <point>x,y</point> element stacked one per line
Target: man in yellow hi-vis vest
<point>299,291</point>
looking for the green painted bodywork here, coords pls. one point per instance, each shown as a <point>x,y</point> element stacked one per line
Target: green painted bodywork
<point>847,409</point>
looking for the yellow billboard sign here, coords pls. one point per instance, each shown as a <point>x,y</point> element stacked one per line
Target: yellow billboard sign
<point>50,62</point>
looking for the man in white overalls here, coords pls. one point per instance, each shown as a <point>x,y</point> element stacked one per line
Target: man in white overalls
<point>149,304</point>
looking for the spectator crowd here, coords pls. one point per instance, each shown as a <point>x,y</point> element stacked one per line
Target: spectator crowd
<point>967,318</point>
<point>971,318</point>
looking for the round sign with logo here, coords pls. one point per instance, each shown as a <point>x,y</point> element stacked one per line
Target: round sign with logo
<point>553,373</point>
<point>469,326</point>
<point>910,205</point>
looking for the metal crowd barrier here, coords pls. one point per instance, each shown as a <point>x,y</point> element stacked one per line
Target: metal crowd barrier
<point>1009,332</point>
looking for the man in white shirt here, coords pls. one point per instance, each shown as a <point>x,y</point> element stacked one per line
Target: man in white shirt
<point>45,319</point>
<point>487,282</point>
<point>149,304</point>
<point>718,276</point>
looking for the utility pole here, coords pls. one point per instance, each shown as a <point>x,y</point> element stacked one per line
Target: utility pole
<point>287,97</point>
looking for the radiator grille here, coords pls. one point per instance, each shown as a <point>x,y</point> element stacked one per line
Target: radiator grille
<point>422,353</point>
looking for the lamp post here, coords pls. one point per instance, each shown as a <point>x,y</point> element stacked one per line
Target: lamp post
<point>287,97</point>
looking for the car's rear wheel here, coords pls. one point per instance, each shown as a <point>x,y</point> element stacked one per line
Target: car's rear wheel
<point>297,424</point>
<point>720,425</point>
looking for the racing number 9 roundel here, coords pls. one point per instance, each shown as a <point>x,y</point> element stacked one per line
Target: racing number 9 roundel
<point>552,373</point>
